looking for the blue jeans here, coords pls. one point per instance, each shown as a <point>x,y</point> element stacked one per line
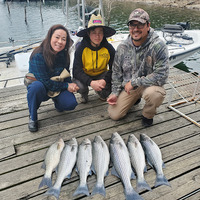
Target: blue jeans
<point>37,93</point>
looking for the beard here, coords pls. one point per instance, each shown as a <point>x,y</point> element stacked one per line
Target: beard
<point>136,40</point>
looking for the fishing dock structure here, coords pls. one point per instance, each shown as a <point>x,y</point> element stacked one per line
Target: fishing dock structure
<point>22,153</point>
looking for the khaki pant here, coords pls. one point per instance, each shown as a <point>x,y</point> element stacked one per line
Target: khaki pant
<point>153,97</point>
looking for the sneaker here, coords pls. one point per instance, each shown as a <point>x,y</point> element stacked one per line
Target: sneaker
<point>58,110</point>
<point>33,125</point>
<point>137,102</point>
<point>146,122</point>
<point>101,95</point>
<point>102,98</point>
<point>83,99</point>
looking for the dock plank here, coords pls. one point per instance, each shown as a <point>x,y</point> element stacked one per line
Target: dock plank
<point>23,152</point>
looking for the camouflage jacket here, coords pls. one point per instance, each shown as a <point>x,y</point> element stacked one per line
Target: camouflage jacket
<point>145,65</point>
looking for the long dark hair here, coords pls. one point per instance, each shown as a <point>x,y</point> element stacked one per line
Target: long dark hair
<point>46,49</point>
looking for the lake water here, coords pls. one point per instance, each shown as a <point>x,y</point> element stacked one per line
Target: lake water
<point>13,25</point>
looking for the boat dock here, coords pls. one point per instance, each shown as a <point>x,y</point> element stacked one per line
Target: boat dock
<point>22,153</point>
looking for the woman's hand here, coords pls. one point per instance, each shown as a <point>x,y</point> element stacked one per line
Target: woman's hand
<point>72,87</point>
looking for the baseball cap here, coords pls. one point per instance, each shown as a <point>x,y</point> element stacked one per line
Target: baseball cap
<point>139,15</point>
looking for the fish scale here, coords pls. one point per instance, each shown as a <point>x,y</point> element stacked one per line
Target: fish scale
<point>122,166</point>
<point>100,164</point>
<point>154,158</point>
<point>65,167</point>
<point>83,166</point>
<point>52,158</point>
<point>137,158</point>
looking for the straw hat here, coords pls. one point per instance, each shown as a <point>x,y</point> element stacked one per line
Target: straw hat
<point>97,21</point>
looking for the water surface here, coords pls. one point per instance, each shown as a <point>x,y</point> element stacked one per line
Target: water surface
<point>13,25</point>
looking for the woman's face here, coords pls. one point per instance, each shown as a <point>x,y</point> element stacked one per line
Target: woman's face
<point>58,40</point>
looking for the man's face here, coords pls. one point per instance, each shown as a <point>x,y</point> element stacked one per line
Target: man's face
<point>96,36</point>
<point>138,32</point>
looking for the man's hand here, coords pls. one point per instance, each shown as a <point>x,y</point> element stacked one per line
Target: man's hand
<point>112,99</point>
<point>128,87</point>
<point>98,85</point>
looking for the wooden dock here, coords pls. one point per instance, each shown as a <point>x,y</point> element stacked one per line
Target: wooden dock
<point>22,153</point>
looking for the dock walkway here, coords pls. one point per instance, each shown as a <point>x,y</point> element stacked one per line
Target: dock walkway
<point>22,153</point>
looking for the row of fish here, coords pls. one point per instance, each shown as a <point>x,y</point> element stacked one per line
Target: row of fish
<point>95,157</point>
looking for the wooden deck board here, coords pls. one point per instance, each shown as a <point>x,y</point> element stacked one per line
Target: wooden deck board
<point>22,152</point>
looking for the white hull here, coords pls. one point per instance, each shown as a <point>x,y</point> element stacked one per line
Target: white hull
<point>178,51</point>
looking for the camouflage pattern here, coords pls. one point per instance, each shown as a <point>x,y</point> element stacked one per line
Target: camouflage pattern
<point>146,65</point>
<point>139,15</point>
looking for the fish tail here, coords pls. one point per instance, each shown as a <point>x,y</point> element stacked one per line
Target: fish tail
<point>99,189</point>
<point>53,191</point>
<point>161,180</point>
<point>81,190</point>
<point>142,185</point>
<point>132,194</point>
<point>45,181</point>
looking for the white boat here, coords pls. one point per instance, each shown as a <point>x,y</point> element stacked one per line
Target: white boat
<point>181,43</point>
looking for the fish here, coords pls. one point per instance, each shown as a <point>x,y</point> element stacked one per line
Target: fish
<point>137,158</point>
<point>154,159</point>
<point>122,166</point>
<point>100,164</point>
<point>83,166</point>
<point>65,166</point>
<point>52,158</point>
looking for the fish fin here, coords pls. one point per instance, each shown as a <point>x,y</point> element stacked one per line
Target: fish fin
<point>161,180</point>
<point>77,170</point>
<point>133,175</point>
<point>142,185</point>
<point>43,165</point>
<point>93,169</point>
<point>56,170</point>
<point>107,173</point>
<point>45,181</point>
<point>81,190</point>
<point>145,169</point>
<point>163,165</point>
<point>132,194</point>
<point>99,189</point>
<point>52,191</point>
<point>68,176</point>
<point>150,163</point>
<point>90,172</point>
<point>113,172</point>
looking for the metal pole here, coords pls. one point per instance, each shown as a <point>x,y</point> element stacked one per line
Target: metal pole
<point>83,13</point>
<point>101,9</point>
<point>185,116</point>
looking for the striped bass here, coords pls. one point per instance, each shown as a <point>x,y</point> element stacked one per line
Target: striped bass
<point>100,164</point>
<point>65,167</point>
<point>83,166</point>
<point>52,158</point>
<point>137,158</point>
<point>122,166</point>
<point>154,159</point>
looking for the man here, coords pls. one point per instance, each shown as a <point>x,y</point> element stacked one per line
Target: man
<point>93,59</point>
<point>140,69</point>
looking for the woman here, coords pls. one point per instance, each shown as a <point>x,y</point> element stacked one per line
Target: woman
<point>93,59</point>
<point>47,63</point>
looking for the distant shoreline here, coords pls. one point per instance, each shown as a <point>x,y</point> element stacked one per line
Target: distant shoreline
<point>193,5</point>
<point>189,4</point>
